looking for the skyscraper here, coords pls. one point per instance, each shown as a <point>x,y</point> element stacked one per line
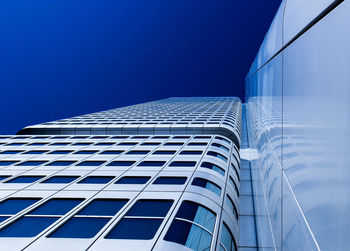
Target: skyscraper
<point>163,175</point>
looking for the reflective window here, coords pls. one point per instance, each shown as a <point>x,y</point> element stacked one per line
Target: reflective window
<point>227,242</point>
<point>91,163</point>
<point>197,144</point>
<point>60,179</point>
<point>7,162</point>
<point>207,185</point>
<point>14,205</point>
<point>86,152</point>
<point>232,206</point>
<point>164,152</point>
<point>213,167</point>
<point>134,225</point>
<point>121,163</point>
<point>31,163</point>
<point>174,144</point>
<point>112,152</point>
<point>221,147</point>
<point>25,179</point>
<point>234,185</point>
<point>90,220</point>
<point>196,236</point>
<point>60,152</point>
<point>61,163</point>
<point>170,180</point>
<point>96,180</point>
<point>152,163</point>
<point>191,152</point>
<point>133,180</point>
<point>150,144</point>
<point>183,163</point>
<point>218,155</point>
<point>2,177</point>
<point>11,152</point>
<point>138,152</point>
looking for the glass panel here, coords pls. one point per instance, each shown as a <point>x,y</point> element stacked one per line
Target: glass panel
<point>198,214</point>
<point>207,185</point>
<point>25,179</point>
<point>103,207</point>
<point>133,180</point>
<point>60,179</point>
<point>121,163</point>
<point>61,163</point>
<point>141,229</point>
<point>213,167</point>
<point>27,226</point>
<point>14,205</point>
<point>96,180</point>
<point>227,239</point>
<point>152,163</point>
<point>31,163</point>
<point>155,208</point>
<point>91,163</point>
<point>111,152</point>
<point>170,181</point>
<point>189,235</point>
<point>56,207</point>
<point>164,152</point>
<point>80,228</point>
<point>183,163</point>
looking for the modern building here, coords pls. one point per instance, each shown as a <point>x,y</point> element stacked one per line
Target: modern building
<point>200,173</point>
<point>163,175</point>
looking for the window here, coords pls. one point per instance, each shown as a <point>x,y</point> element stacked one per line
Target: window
<point>16,144</point>
<point>193,226</point>
<point>202,137</point>
<point>227,242</point>
<point>99,137</point>
<point>91,163</point>
<point>60,152</point>
<point>86,152</point>
<point>121,163</point>
<point>207,185</point>
<point>234,185</point>
<point>183,163</point>
<point>127,144</point>
<point>232,206</point>
<point>164,152</point>
<point>191,152</point>
<point>119,137</point>
<point>60,144</point>
<point>142,220</point>
<point>133,180</point>
<point>82,144</point>
<point>11,152</point>
<point>7,162</point>
<point>213,167</point>
<point>152,163</point>
<point>112,152</point>
<point>140,137</point>
<point>105,144</point>
<point>218,155</point>
<point>60,179</point>
<point>36,152</point>
<point>221,147</point>
<point>61,163</point>
<point>39,219</point>
<point>236,172</point>
<point>37,144</point>
<point>150,144</point>
<point>96,180</point>
<point>32,163</point>
<point>224,140</point>
<point>181,137</point>
<point>170,181</point>
<point>2,177</point>
<point>13,206</point>
<point>160,137</point>
<point>138,152</point>
<point>25,179</point>
<point>90,220</point>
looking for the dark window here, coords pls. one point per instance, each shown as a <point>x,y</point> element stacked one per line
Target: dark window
<point>232,206</point>
<point>218,155</point>
<point>105,144</point>
<point>15,205</point>
<point>134,226</point>
<point>227,242</point>
<point>60,152</point>
<point>91,163</point>
<point>191,152</point>
<point>112,152</point>
<point>96,179</point>
<point>60,179</point>
<point>25,179</point>
<point>119,137</point>
<point>86,152</point>
<point>36,152</point>
<point>84,224</point>
<point>38,144</point>
<point>60,144</point>
<point>164,152</point>
<point>121,163</point>
<point>79,137</point>
<point>140,137</point>
<point>150,144</point>
<point>7,162</point>
<point>160,137</point>
<point>207,185</point>
<point>16,144</point>
<point>221,147</point>
<point>170,180</point>
<point>222,139</point>
<point>183,163</point>
<point>152,163</point>
<point>213,167</point>
<point>202,137</point>
<point>138,152</point>
<point>31,163</point>
<point>127,144</point>
<point>61,163</point>
<point>11,152</point>
<point>56,207</point>
<point>2,177</point>
<point>181,137</point>
<point>133,180</point>
<point>174,144</point>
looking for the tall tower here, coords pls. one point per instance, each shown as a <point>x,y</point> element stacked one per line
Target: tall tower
<point>162,175</point>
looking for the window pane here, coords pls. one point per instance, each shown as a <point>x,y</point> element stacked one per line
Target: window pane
<point>91,163</point>
<point>121,163</point>
<point>133,180</point>
<point>227,239</point>
<point>97,179</point>
<point>80,228</point>
<point>188,235</point>
<point>103,207</point>
<point>60,179</point>
<point>60,152</point>
<point>14,205</point>
<point>198,214</point>
<point>183,163</point>
<point>111,152</point>
<point>35,152</point>
<point>7,163</point>
<point>155,208</point>
<point>25,179</point>
<point>56,207</point>
<point>152,163</point>
<point>85,152</point>
<point>11,152</point>
<point>141,229</point>
<point>137,152</point>
<point>191,152</point>
<point>213,167</point>
<point>4,177</point>
<point>31,163</point>
<point>61,163</point>
<point>27,226</point>
<point>218,155</point>
<point>170,181</point>
<point>164,152</point>
<point>207,185</point>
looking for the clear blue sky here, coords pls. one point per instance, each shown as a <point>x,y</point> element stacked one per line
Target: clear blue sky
<point>62,58</point>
